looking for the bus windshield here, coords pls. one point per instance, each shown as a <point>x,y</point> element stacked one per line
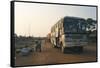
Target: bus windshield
<point>74,25</point>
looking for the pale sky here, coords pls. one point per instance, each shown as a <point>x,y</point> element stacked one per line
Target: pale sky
<point>36,19</point>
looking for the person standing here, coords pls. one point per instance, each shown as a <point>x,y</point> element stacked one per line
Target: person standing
<point>38,46</point>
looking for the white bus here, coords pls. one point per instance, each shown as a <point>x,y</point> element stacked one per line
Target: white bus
<point>70,34</point>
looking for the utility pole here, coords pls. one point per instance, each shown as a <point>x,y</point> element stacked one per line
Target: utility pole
<point>29,29</point>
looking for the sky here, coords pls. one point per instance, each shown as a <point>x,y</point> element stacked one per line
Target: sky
<point>35,19</point>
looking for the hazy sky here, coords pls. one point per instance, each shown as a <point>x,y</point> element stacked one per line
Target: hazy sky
<point>37,19</point>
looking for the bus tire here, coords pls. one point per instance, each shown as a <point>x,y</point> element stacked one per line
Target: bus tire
<point>63,49</point>
<point>80,49</point>
<point>54,46</point>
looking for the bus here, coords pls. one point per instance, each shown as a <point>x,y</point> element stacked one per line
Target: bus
<point>70,34</point>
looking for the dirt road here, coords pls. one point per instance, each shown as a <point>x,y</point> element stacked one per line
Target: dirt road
<point>50,55</point>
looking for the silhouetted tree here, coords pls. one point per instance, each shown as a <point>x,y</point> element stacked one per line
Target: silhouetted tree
<point>91,24</point>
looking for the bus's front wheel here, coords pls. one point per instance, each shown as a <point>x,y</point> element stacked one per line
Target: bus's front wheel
<point>63,49</point>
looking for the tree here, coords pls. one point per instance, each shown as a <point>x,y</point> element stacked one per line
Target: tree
<point>91,24</point>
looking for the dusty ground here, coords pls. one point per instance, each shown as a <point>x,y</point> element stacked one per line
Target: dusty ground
<point>50,55</point>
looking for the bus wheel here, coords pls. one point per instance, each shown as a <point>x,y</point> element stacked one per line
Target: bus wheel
<point>54,46</point>
<point>80,49</point>
<point>63,49</point>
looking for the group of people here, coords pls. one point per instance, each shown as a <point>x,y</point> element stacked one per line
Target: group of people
<point>37,48</point>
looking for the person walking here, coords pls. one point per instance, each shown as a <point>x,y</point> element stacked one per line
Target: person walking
<point>38,45</point>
